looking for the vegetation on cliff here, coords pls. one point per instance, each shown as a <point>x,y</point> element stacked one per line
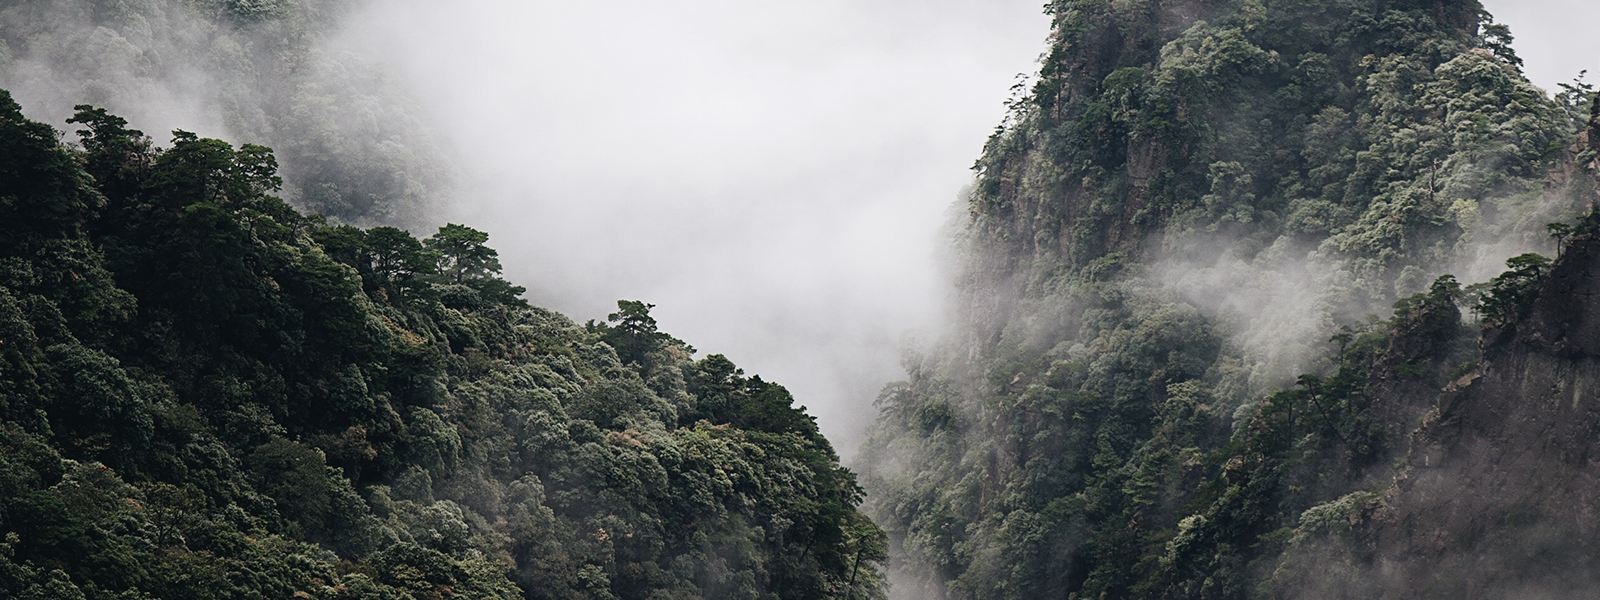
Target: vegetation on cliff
<point>1189,201</point>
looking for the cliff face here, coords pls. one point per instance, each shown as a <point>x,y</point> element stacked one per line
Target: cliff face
<point>1141,399</point>
<point>1499,492</point>
<point>1503,494</point>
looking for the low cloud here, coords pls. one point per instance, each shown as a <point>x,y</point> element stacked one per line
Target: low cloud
<point>771,176</point>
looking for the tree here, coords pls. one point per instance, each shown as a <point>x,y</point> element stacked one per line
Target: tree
<point>43,192</point>
<point>461,254</point>
<point>1343,338</point>
<point>1511,294</point>
<point>170,509</point>
<point>399,261</point>
<point>200,169</point>
<point>632,332</point>
<point>1576,99</point>
<point>114,155</point>
<point>1559,231</point>
<point>463,259</point>
<point>281,422</point>
<point>1497,38</point>
<point>293,475</point>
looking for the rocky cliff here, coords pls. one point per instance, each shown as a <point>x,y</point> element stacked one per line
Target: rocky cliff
<point>1498,494</point>
<point>1140,398</point>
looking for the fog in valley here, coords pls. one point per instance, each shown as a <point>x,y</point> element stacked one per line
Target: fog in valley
<point>773,176</point>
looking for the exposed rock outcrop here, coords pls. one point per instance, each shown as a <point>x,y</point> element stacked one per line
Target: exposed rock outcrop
<point>1499,496</point>
<point>1502,497</point>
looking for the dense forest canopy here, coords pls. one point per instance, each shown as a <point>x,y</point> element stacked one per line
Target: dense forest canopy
<point>205,393</point>
<point>1168,371</point>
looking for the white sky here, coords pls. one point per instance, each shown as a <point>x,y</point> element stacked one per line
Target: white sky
<point>1555,38</point>
<point>771,175</point>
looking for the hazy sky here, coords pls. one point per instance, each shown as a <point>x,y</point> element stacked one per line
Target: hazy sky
<point>1555,38</point>
<point>771,175</point>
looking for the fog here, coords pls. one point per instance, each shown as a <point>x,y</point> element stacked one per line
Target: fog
<point>770,175</point>
<point>1276,304</point>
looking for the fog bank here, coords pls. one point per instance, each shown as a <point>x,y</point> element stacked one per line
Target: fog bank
<point>771,175</point>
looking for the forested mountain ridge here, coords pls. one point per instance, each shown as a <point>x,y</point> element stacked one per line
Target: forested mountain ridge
<point>1166,378</point>
<point>207,394</point>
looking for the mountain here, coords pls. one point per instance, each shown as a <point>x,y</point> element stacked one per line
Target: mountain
<point>205,393</point>
<point>1167,377</point>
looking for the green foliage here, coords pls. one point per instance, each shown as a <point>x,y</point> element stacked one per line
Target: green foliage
<point>632,332</point>
<point>1366,128</point>
<point>725,395</point>
<point>1432,314</point>
<point>43,194</point>
<point>1093,429</point>
<point>464,260</point>
<point>205,394</point>
<point>462,255</point>
<point>1559,231</point>
<point>1576,100</point>
<point>1497,38</point>
<point>1510,295</point>
<point>112,153</point>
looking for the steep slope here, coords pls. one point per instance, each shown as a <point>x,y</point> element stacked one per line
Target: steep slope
<point>206,394</point>
<point>1504,485</point>
<point>1191,199</point>
<point>1499,492</point>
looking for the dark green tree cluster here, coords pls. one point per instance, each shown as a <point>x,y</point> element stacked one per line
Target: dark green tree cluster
<point>1092,429</point>
<point>632,332</point>
<point>1510,295</point>
<point>1089,483</point>
<point>1383,132</point>
<point>206,394</point>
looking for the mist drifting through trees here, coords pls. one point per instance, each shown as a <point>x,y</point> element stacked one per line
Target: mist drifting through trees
<point>787,164</point>
<point>1222,310</point>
